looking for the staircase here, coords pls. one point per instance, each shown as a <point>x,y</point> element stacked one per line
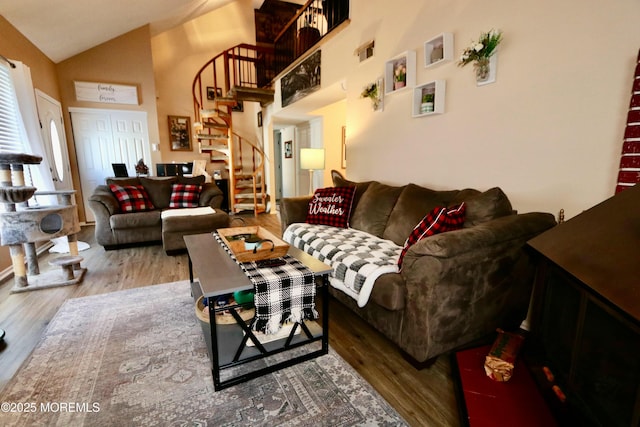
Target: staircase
<point>245,73</point>
<point>236,75</point>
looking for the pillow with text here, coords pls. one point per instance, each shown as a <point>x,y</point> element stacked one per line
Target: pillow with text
<point>331,206</point>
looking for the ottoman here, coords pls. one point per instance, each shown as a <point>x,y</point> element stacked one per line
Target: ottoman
<point>177,223</point>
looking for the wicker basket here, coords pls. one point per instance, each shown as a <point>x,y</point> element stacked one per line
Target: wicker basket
<point>222,319</point>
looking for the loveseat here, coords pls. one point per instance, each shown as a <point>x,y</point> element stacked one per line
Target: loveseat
<point>115,227</point>
<point>454,287</point>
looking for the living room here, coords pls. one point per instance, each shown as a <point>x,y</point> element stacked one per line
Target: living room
<point>549,131</point>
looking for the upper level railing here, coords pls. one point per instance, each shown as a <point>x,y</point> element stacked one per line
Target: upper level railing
<point>243,65</point>
<point>314,21</point>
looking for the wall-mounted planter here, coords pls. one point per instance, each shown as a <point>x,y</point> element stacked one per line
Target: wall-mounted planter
<point>438,50</point>
<point>429,93</point>
<point>405,61</point>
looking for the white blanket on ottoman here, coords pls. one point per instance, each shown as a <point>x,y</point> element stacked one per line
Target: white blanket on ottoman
<point>357,258</point>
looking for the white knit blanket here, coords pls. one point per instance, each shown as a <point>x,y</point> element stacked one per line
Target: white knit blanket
<point>357,258</point>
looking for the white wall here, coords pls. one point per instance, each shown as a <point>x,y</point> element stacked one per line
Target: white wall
<point>333,119</point>
<point>179,53</point>
<point>549,131</point>
<point>289,170</point>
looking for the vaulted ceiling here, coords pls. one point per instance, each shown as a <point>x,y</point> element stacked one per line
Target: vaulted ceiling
<point>64,28</point>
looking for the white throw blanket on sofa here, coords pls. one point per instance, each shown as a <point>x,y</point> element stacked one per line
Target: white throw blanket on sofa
<point>357,258</point>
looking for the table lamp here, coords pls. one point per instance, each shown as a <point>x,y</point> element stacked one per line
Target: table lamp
<point>311,159</point>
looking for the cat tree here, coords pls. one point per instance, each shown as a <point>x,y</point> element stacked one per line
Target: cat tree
<point>21,226</point>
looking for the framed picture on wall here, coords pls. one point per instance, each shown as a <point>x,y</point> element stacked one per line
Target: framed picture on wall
<point>288,149</point>
<point>180,133</point>
<point>343,164</point>
<point>239,107</point>
<point>213,92</point>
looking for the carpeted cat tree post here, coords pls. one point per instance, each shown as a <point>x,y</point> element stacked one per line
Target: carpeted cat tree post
<point>21,226</point>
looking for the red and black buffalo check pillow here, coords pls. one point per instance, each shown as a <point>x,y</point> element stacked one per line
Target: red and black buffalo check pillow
<point>437,221</point>
<point>331,206</point>
<point>132,198</point>
<point>185,196</point>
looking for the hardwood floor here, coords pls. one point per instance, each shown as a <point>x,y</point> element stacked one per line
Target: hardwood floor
<point>423,397</point>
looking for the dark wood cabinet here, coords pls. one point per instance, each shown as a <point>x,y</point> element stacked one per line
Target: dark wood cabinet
<point>584,346</point>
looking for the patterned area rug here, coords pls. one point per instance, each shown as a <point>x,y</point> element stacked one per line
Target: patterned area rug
<point>138,357</point>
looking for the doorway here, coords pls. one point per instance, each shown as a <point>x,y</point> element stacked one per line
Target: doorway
<point>103,137</point>
<point>55,141</point>
<point>277,163</point>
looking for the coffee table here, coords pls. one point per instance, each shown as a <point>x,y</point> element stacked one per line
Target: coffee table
<point>218,274</point>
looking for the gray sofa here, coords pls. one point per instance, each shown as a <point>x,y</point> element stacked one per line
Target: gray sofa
<point>115,229</point>
<point>454,288</point>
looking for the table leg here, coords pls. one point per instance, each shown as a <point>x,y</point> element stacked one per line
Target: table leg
<point>325,313</point>
<point>215,359</point>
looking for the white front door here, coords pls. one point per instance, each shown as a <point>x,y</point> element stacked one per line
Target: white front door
<point>55,141</point>
<point>104,137</point>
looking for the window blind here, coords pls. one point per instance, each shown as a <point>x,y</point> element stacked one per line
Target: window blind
<point>9,132</point>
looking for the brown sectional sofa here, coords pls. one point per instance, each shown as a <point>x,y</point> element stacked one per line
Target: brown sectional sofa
<point>454,287</point>
<point>114,229</point>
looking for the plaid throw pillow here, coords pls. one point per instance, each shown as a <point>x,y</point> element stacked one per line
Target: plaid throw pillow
<point>331,206</point>
<point>437,221</point>
<point>185,195</point>
<point>131,198</point>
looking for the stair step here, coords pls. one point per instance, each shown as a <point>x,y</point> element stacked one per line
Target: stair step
<point>245,196</point>
<point>249,206</point>
<point>228,100</point>
<point>243,93</point>
<point>244,175</point>
<point>245,185</point>
<point>214,112</point>
<point>212,136</point>
<point>219,159</point>
<point>215,125</point>
<point>221,148</point>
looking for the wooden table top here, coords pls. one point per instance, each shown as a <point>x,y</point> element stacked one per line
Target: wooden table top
<point>219,274</point>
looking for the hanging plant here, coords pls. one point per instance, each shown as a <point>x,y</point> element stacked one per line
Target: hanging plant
<point>371,92</point>
<point>482,49</point>
<point>480,52</point>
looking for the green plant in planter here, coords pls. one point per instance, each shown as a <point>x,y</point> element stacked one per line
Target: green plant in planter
<point>427,97</point>
<point>371,92</point>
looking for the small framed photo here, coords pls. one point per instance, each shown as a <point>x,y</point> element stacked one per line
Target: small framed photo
<point>213,92</point>
<point>239,107</point>
<point>343,163</point>
<point>259,119</point>
<point>180,133</point>
<point>288,149</point>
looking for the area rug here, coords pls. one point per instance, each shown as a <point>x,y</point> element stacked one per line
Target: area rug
<point>138,358</point>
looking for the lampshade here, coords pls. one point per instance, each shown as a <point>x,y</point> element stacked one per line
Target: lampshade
<point>312,158</point>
